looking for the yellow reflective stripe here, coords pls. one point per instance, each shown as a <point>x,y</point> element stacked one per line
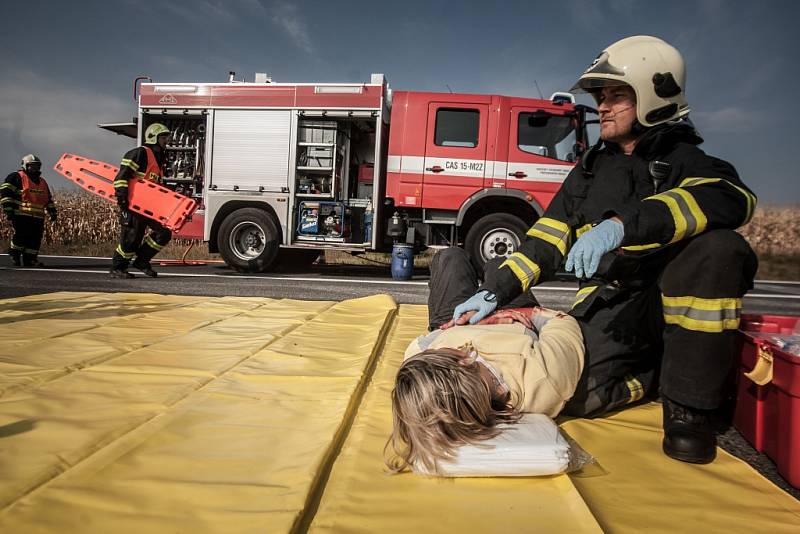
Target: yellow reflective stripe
<point>701,314</point>
<point>121,183</point>
<point>16,247</point>
<point>9,200</point>
<point>150,242</point>
<point>748,196</point>
<point>129,163</point>
<point>551,231</point>
<point>635,248</point>
<point>140,174</point>
<point>582,293</point>
<point>31,209</point>
<point>126,255</point>
<point>635,387</point>
<point>31,251</point>
<point>583,229</point>
<point>524,269</point>
<point>9,186</point>
<point>688,217</point>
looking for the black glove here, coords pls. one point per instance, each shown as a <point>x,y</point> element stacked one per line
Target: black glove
<point>122,198</point>
<point>53,216</point>
<point>9,215</point>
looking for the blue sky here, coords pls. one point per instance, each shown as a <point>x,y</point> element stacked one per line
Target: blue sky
<point>67,66</point>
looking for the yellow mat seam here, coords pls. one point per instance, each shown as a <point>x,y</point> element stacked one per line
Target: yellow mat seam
<point>317,487</point>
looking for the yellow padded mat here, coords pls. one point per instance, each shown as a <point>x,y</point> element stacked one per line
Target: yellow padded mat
<point>202,414</point>
<point>131,412</point>
<point>644,490</point>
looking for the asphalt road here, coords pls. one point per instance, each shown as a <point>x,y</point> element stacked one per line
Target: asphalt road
<point>332,282</point>
<point>318,282</point>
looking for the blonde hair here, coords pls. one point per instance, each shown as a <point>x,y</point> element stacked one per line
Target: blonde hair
<point>439,402</point>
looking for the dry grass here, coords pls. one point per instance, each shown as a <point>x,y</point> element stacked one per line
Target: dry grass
<point>89,226</point>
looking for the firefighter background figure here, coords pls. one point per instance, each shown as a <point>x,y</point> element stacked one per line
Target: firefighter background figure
<point>25,197</point>
<point>659,314</point>
<point>145,162</point>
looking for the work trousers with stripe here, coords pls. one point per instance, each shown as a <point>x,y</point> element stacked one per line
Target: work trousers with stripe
<point>134,244</point>
<point>454,279</point>
<point>28,232</point>
<point>669,327</point>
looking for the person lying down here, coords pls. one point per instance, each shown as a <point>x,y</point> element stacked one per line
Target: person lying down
<point>458,383</point>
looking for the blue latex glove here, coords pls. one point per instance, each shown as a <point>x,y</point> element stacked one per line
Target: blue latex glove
<point>483,302</point>
<point>584,257</point>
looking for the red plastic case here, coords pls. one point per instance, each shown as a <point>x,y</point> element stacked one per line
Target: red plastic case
<point>768,416</point>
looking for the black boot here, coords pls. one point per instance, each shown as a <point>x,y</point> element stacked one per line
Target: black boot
<point>145,267</point>
<point>15,260</point>
<point>120,272</point>
<point>688,434</point>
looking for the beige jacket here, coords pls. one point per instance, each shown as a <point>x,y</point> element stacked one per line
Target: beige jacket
<point>540,374</point>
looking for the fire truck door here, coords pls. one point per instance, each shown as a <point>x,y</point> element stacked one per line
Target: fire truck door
<point>540,151</point>
<point>455,153</point>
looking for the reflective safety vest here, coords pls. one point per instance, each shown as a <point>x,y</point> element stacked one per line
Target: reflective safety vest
<point>34,196</point>
<point>153,170</point>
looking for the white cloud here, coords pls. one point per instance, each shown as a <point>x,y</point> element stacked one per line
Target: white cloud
<point>288,18</point>
<point>37,117</point>
<point>727,120</point>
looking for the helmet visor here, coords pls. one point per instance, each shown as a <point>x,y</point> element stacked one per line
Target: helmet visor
<point>601,73</point>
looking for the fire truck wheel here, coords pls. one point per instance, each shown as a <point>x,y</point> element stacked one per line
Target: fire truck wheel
<point>496,234</point>
<point>249,240</point>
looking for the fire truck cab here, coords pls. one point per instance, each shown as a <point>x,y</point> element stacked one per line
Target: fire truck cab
<point>284,171</point>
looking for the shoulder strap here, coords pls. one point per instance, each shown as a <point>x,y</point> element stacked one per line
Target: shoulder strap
<point>588,159</point>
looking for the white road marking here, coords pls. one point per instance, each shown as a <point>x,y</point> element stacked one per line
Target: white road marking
<point>232,277</point>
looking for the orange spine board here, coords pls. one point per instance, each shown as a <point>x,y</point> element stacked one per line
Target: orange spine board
<point>144,196</point>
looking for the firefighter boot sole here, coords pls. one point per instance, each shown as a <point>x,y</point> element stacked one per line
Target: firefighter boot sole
<point>119,273</point>
<point>146,270</point>
<point>706,455</point>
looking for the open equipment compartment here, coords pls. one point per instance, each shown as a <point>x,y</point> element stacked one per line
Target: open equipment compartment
<point>334,170</point>
<point>185,152</point>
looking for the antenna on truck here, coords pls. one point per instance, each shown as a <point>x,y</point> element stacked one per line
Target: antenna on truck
<point>537,88</point>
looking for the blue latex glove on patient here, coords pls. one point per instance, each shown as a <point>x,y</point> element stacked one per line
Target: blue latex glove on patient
<point>483,303</point>
<point>584,257</point>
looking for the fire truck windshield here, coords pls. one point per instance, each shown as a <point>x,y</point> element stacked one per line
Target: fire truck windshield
<point>548,135</point>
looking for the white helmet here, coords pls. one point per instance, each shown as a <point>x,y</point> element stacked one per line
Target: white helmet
<point>652,67</point>
<point>28,160</point>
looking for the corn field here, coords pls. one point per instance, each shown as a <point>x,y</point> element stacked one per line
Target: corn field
<point>88,225</point>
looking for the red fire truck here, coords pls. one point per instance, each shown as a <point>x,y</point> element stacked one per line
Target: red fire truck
<point>282,171</point>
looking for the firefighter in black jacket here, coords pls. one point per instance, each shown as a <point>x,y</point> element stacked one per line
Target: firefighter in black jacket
<point>25,197</point>
<point>646,221</point>
<point>145,162</point>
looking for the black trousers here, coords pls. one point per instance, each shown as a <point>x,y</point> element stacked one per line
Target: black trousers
<point>133,243</point>
<point>670,324</point>
<point>454,280</point>
<point>28,232</point>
